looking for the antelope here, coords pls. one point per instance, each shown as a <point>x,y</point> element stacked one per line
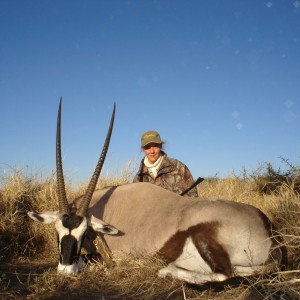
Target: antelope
<point>200,239</point>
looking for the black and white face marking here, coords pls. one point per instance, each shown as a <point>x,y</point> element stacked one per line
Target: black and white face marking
<point>70,229</point>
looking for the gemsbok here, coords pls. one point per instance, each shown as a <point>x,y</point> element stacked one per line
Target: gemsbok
<point>200,239</point>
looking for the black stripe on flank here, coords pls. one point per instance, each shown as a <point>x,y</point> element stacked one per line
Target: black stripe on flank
<point>204,237</point>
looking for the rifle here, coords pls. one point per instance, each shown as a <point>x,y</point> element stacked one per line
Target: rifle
<point>199,180</point>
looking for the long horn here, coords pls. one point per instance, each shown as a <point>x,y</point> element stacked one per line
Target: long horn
<point>92,185</point>
<point>61,190</point>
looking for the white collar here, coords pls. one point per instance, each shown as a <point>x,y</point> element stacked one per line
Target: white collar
<point>153,168</point>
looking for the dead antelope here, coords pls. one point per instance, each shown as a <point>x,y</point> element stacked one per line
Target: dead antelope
<point>201,240</point>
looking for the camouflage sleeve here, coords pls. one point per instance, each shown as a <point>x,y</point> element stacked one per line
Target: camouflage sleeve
<point>187,181</point>
<point>136,178</point>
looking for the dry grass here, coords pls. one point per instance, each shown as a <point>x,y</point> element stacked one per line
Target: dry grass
<point>28,251</point>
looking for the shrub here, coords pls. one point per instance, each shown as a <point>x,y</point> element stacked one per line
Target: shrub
<point>269,180</point>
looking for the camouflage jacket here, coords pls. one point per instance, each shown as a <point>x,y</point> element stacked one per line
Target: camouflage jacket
<point>172,175</point>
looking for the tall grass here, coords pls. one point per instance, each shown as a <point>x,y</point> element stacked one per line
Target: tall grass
<point>30,249</point>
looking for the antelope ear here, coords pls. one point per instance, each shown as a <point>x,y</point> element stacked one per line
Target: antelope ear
<point>45,217</point>
<point>100,226</point>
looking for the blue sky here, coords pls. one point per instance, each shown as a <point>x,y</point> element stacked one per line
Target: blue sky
<point>220,81</point>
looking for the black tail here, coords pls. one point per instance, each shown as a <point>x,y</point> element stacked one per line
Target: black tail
<point>278,250</point>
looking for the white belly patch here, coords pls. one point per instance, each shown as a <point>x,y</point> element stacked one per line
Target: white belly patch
<point>190,259</point>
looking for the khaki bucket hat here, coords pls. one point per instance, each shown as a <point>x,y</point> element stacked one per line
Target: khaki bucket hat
<point>150,137</point>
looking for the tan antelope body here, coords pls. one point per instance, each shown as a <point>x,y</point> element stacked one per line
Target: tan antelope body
<point>201,240</point>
